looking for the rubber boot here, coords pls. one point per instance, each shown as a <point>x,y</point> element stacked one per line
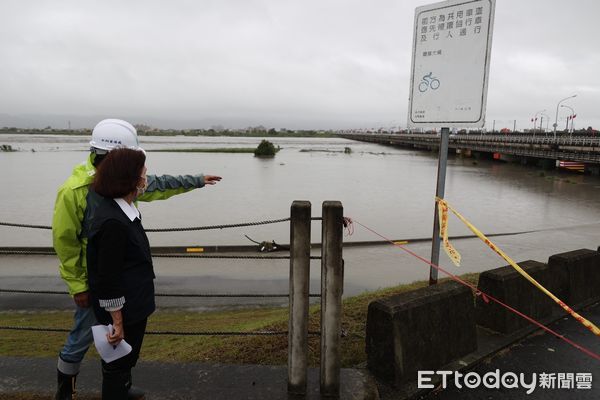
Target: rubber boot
<point>66,386</point>
<point>115,384</point>
<point>135,393</point>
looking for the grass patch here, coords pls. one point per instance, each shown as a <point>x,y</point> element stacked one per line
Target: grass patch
<point>210,150</point>
<point>269,350</point>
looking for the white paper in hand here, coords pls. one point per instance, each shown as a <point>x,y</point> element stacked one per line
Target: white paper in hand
<point>107,351</point>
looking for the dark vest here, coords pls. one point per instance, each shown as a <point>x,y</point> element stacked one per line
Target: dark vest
<point>137,276</point>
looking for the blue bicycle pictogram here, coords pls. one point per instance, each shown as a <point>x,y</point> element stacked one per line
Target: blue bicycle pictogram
<point>429,81</point>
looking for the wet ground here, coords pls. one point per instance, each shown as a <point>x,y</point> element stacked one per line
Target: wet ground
<point>561,371</point>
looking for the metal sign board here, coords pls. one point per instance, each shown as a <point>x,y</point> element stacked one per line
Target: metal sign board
<point>450,64</point>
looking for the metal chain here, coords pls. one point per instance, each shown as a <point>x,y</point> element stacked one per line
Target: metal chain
<point>178,333</point>
<point>250,295</point>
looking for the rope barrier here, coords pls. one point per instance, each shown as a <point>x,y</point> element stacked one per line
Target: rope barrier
<point>221,257</point>
<point>229,257</point>
<point>486,297</point>
<point>195,228</point>
<point>25,225</point>
<point>27,252</point>
<point>175,333</point>
<point>51,253</point>
<point>202,228</point>
<point>248,295</point>
<point>180,333</point>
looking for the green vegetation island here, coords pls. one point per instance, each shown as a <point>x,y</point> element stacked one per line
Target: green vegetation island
<point>264,149</point>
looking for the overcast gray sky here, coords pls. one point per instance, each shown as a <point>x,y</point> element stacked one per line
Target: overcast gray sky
<point>279,63</point>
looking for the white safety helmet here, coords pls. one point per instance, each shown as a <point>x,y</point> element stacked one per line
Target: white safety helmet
<point>111,133</point>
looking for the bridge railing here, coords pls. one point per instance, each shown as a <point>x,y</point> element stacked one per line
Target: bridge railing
<point>533,139</point>
<point>578,149</point>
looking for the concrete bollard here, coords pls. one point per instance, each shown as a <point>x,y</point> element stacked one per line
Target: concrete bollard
<point>332,284</point>
<point>579,274</point>
<point>423,329</point>
<point>299,289</point>
<point>508,286</point>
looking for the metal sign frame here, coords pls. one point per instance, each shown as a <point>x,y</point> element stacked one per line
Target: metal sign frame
<point>464,107</point>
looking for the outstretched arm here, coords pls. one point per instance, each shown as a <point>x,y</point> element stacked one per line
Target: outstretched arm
<point>165,186</point>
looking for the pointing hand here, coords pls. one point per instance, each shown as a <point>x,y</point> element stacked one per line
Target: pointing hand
<point>211,179</point>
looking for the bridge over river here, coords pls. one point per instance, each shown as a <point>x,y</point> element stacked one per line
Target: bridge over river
<point>582,153</point>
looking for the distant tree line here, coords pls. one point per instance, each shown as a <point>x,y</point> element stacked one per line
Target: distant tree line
<point>145,130</point>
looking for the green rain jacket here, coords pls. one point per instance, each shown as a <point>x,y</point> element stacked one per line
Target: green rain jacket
<point>68,232</point>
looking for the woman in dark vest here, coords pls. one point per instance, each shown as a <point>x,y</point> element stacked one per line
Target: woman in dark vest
<point>120,271</point>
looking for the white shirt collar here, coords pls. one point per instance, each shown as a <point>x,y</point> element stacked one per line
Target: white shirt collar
<point>129,209</point>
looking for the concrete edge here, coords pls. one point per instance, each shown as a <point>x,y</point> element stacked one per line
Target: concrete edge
<point>489,344</point>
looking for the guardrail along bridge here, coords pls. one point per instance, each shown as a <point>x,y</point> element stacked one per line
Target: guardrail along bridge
<point>578,153</point>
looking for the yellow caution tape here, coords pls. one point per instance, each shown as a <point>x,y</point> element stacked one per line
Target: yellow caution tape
<point>443,222</point>
<point>445,206</point>
<point>195,250</point>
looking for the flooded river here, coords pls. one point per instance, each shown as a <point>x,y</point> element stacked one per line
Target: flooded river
<point>390,190</point>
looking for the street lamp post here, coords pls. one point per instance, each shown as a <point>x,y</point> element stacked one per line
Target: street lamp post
<point>544,115</point>
<point>535,120</point>
<point>556,116</point>
<point>571,118</point>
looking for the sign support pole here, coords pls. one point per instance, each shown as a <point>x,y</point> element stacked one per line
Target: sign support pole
<point>439,192</point>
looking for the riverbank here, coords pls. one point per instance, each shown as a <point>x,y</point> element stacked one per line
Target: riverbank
<point>183,132</point>
<point>221,349</point>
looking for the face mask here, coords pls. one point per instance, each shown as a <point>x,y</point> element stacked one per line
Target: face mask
<point>142,189</point>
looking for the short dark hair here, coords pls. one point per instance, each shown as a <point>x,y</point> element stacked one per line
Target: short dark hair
<point>119,173</point>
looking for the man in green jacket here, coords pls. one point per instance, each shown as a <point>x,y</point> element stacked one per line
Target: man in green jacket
<point>71,211</point>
